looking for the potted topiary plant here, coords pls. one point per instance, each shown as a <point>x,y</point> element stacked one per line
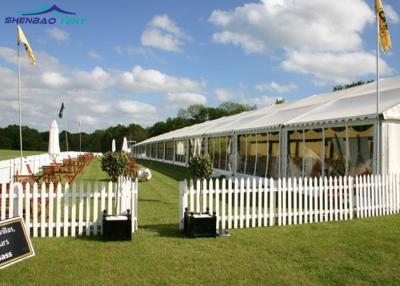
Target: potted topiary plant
<point>115,164</point>
<point>200,224</point>
<point>200,167</point>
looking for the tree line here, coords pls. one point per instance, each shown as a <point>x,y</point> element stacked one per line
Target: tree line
<point>100,140</point>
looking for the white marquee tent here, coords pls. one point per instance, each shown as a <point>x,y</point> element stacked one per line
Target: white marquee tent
<point>326,134</point>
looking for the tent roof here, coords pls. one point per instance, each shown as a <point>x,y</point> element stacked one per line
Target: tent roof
<point>349,104</point>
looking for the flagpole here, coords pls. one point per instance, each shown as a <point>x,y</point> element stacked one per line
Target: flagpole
<point>80,137</point>
<point>19,104</point>
<point>378,135</point>
<point>66,136</point>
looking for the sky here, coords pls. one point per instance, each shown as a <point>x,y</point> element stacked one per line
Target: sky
<point>126,62</point>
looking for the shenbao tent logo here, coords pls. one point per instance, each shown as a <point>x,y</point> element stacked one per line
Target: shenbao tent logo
<point>46,15</point>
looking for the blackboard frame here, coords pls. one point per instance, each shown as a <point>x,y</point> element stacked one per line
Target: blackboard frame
<point>19,258</point>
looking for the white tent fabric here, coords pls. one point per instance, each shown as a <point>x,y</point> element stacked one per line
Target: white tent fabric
<point>125,146</point>
<point>390,150</point>
<point>349,104</point>
<point>54,143</point>
<point>113,149</point>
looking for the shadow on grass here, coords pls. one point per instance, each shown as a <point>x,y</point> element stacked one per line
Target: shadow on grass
<point>164,230</point>
<point>175,172</point>
<point>90,237</point>
<point>98,180</point>
<point>149,200</point>
<point>99,238</point>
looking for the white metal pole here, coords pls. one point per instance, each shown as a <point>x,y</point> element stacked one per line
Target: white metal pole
<point>378,135</point>
<point>80,137</point>
<point>20,105</point>
<point>66,136</point>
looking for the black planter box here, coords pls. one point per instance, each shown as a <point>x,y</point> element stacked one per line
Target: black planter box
<point>200,224</point>
<point>117,227</point>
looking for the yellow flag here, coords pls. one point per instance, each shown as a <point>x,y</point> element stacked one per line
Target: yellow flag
<point>384,36</point>
<point>24,40</point>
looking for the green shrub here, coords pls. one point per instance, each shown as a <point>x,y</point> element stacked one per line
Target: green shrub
<point>115,164</point>
<point>200,167</point>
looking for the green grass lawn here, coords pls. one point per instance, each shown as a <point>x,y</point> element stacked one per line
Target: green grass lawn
<point>357,252</point>
<point>93,172</point>
<point>11,154</point>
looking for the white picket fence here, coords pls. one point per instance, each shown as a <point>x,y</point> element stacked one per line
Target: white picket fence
<point>267,202</point>
<point>68,210</point>
<point>8,168</point>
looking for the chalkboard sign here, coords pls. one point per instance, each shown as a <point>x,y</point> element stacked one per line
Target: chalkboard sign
<point>15,244</point>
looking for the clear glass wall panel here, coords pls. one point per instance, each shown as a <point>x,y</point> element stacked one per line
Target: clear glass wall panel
<point>223,159</point>
<point>261,165</point>
<point>335,151</point>
<point>217,152</point>
<point>295,153</point>
<point>198,145</point>
<point>251,153</point>
<point>361,149</point>
<point>242,152</point>
<point>229,153</point>
<point>160,150</point>
<point>181,150</point>
<point>273,155</point>
<point>313,152</point>
<point>153,150</point>
<point>169,150</point>
<point>203,146</point>
<point>213,151</point>
<point>148,150</point>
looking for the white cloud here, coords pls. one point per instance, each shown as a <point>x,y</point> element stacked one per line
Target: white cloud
<point>94,55</point>
<point>318,37</point>
<point>138,111</point>
<point>336,67</point>
<point>97,78</point>
<point>100,108</point>
<point>87,94</point>
<point>8,55</point>
<point>87,120</point>
<point>58,34</point>
<point>54,79</point>
<point>184,99</point>
<point>261,101</point>
<point>163,33</point>
<point>223,94</point>
<point>276,87</point>
<point>165,23</point>
<point>391,14</point>
<point>314,24</point>
<point>151,80</point>
<point>133,51</point>
<point>131,106</point>
<point>248,43</point>
<point>158,39</point>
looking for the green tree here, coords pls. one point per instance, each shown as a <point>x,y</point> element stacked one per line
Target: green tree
<point>280,100</point>
<point>353,84</point>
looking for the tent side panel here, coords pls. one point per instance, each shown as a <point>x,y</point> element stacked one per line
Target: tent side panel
<point>390,147</point>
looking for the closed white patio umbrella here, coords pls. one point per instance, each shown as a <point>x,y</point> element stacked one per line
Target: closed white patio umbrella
<point>54,143</point>
<point>125,146</point>
<point>113,146</point>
